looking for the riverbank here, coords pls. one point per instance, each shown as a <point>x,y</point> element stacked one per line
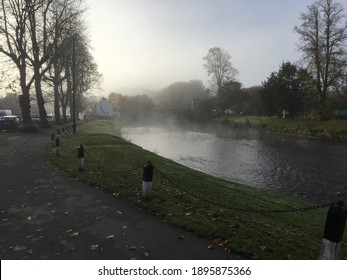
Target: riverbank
<point>47,215</point>
<point>242,219</point>
<point>331,129</point>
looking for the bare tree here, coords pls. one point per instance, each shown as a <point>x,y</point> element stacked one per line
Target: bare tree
<point>73,53</point>
<point>87,76</point>
<point>48,22</point>
<point>29,31</point>
<point>323,34</point>
<point>66,21</point>
<point>218,65</point>
<point>14,43</point>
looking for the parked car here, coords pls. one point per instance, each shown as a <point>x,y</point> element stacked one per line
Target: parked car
<point>5,113</point>
<point>9,123</point>
<point>50,119</point>
<point>36,119</point>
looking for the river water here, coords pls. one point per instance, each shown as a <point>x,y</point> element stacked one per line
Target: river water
<point>307,168</point>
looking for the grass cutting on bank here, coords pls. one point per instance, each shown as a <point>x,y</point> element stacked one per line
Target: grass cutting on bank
<point>252,222</point>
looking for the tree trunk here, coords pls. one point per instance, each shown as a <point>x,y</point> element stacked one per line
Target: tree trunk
<point>24,102</point>
<point>40,100</point>
<point>56,96</point>
<point>24,98</point>
<point>56,103</point>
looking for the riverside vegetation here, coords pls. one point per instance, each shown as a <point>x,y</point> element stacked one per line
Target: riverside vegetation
<point>306,127</point>
<point>239,218</point>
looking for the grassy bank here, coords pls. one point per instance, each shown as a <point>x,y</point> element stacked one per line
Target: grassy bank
<point>332,129</point>
<point>242,219</point>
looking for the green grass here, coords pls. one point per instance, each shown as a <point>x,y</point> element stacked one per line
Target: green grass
<point>331,129</point>
<point>195,201</point>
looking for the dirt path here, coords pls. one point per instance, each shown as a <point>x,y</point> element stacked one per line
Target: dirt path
<point>44,214</point>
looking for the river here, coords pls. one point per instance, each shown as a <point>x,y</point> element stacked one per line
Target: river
<point>306,168</point>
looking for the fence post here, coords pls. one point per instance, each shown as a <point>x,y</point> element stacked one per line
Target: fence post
<point>147,180</point>
<point>333,232</point>
<point>58,132</point>
<point>80,155</point>
<point>57,147</point>
<point>53,140</point>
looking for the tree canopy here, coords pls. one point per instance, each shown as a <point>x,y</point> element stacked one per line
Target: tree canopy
<point>286,90</point>
<point>35,35</point>
<point>219,67</point>
<point>323,35</point>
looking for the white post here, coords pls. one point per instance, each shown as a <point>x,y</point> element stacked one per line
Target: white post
<point>333,232</point>
<point>80,155</point>
<point>147,180</point>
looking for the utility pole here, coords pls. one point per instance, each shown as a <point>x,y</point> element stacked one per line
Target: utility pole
<point>73,86</point>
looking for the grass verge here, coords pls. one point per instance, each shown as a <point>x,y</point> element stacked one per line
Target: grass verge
<point>234,216</point>
<point>331,129</point>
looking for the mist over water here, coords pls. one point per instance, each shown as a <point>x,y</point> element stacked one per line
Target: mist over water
<point>305,168</point>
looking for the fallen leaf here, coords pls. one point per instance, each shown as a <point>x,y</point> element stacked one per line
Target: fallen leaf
<point>147,253</point>
<point>29,219</point>
<point>19,248</point>
<point>74,234</point>
<point>110,236</point>
<point>132,248</point>
<point>210,247</point>
<point>223,243</point>
<point>181,236</point>
<point>96,247</point>
<point>188,213</point>
<point>69,230</point>
<point>30,251</point>
<point>124,227</point>
<point>263,248</point>
<point>119,212</point>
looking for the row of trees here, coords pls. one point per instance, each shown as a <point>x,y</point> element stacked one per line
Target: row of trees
<point>176,97</point>
<point>309,89</point>
<point>315,87</point>
<point>46,43</point>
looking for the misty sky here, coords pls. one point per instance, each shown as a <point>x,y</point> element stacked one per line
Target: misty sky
<point>150,44</point>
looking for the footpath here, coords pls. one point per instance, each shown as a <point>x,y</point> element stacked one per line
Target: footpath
<point>45,214</point>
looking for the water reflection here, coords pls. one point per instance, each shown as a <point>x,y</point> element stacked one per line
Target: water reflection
<point>301,167</point>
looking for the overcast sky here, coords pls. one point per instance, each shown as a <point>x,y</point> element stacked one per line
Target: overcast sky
<point>150,44</point>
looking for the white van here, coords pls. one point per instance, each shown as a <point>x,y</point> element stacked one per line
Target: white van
<point>5,113</point>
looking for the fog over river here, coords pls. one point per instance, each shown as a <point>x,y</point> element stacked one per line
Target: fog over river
<point>307,168</point>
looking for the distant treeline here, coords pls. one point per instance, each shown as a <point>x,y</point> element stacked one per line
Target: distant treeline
<point>288,92</point>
